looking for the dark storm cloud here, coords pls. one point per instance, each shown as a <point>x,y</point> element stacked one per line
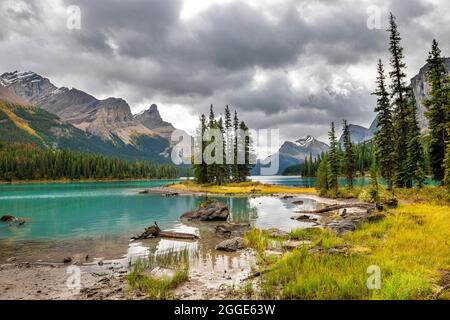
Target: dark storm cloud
<point>144,51</point>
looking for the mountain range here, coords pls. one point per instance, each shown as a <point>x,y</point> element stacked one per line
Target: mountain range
<point>71,118</point>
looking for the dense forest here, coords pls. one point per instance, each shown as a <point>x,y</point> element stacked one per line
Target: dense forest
<point>29,162</point>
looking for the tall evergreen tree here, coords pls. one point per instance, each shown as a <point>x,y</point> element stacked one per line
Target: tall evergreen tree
<point>229,145</point>
<point>398,93</point>
<point>437,104</point>
<point>222,167</point>
<point>323,174</point>
<point>244,146</point>
<point>213,170</point>
<point>212,116</point>
<point>446,163</point>
<point>384,138</point>
<point>349,160</point>
<point>415,157</point>
<point>374,190</point>
<point>200,169</point>
<point>333,159</point>
<point>235,170</point>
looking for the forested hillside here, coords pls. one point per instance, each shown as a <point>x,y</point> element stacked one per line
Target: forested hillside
<point>22,161</point>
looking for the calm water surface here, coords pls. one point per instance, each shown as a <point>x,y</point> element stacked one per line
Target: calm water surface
<point>96,210</point>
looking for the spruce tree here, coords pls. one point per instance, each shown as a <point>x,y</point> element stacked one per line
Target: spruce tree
<point>415,157</point>
<point>349,160</point>
<point>323,173</point>
<point>228,143</point>
<point>384,137</point>
<point>446,163</point>
<point>245,146</point>
<point>200,169</point>
<point>436,105</point>
<point>212,117</point>
<point>221,167</point>
<point>212,169</point>
<point>398,93</point>
<point>333,160</point>
<point>374,190</point>
<point>235,170</point>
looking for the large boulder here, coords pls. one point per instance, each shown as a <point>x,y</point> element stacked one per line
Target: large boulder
<point>215,211</point>
<point>231,244</point>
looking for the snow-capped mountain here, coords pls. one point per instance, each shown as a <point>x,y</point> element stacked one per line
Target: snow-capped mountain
<point>294,152</point>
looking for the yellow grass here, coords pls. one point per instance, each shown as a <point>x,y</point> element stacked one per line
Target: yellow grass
<point>19,122</point>
<point>411,246</point>
<point>244,188</point>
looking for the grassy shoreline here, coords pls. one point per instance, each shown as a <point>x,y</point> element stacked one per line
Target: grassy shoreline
<point>240,189</point>
<point>409,247</point>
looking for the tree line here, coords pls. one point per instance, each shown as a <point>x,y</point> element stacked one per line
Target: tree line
<point>29,162</point>
<point>232,145</point>
<point>399,154</point>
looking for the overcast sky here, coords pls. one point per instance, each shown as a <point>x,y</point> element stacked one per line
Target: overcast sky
<point>289,64</point>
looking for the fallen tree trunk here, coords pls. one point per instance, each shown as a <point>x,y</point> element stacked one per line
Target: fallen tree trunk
<point>155,232</point>
<point>335,207</point>
<point>177,235</point>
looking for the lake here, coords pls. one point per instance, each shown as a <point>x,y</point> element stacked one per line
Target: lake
<point>102,216</point>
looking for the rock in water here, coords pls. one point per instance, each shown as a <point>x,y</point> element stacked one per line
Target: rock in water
<point>216,211</point>
<point>231,244</point>
<point>7,218</point>
<point>223,231</point>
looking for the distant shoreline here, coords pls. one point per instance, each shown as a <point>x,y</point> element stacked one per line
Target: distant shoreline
<point>63,181</point>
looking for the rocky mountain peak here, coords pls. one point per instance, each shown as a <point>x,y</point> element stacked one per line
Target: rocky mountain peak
<point>303,147</point>
<point>116,110</point>
<point>28,85</point>
<point>151,118</point>
<point>421,90</point>
<point>305,141</point>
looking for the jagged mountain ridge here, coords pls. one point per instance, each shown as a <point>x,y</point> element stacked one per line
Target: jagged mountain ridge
<point>109,118</point>
<point>20,121</point>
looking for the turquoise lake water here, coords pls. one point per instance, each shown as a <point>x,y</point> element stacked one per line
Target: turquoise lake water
<point>94,210</point>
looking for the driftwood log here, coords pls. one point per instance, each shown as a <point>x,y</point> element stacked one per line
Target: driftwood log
<point>155,232</point>
<point>367,206</point>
